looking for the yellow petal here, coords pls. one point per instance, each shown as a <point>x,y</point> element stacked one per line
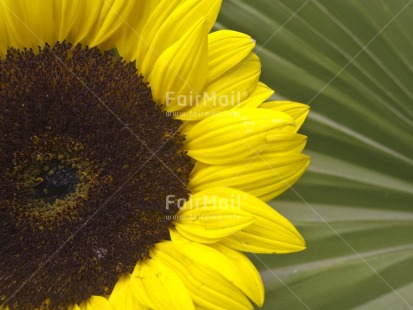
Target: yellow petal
<point>187,126</point>
<point>212,279</point>
<point>155,16</point>
<point>181,69</point>
<point>284,142</point>
<point>252,241</point>
<point>174,28</point>
<point>25,28</point>
<point>249,270</point>
<point>96,303</point>
<point>298,111</point>
<point>207,217</point>
<point>85,22</point>
<point>260,94</point>
<point>4,41</point>
<point>212,9</point>
<point>113,15</point>
<point>226,49</point>
<point>270,232</point>
<point>167,23</point>
<point>225,92</point>
<point>159,287</point>
<point>130,34</point>
<point>123,297</point>
<point>91,22</point>
<point>264,176</point>
<point>176,236</point>
<point>233,135</point>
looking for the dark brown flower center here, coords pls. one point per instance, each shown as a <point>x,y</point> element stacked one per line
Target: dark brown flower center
<point>56,183</point>
<point>87,160</point>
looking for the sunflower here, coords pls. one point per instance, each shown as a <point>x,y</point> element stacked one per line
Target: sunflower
<point>137,154</point>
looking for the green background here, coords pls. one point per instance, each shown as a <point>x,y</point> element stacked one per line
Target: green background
<point>352,61</point>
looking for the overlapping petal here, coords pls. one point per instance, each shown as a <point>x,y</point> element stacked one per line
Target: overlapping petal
<point>264,176</point>
<point>208,217</point>
<point>256,236</point>
<point>226,49</point>
<point>151,277</point>
<point>174,28</point>
<point>260,94</point>
<point>4,41</point>
<point>26,29</point>
<point>234,135</point>
<point>123,296</point>
<point>89,22</point>
<point>179,71</point>
<point>93,303</point>
<point>162,24</point>
<point>213,279</point>
<point>225,92</point>
<point>248,269</point>
<point>111,17</point>
<point>130,34</point>
<point>298,111</point>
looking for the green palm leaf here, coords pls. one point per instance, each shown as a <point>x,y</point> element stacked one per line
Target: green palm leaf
<point>352,60</point>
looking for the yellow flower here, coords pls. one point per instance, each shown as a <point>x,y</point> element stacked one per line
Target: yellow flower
<point>137,182</point>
